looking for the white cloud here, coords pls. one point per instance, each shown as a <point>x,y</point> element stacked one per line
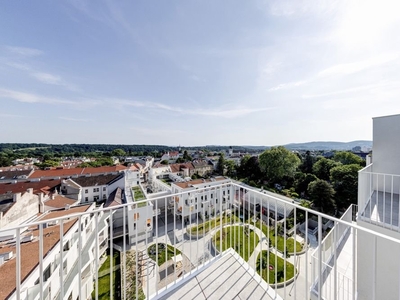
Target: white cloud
<point>289,85</point>
<point>355,67</point>
<point>48,78</point>
<point>74,119</point>
<point>225,112</point>
<point>24,51</point>
<point>30,98</point>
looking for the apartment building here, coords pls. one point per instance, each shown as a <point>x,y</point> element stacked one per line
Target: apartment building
<point>57,255</point>
<point>89,189</point>
<point>200,197</point>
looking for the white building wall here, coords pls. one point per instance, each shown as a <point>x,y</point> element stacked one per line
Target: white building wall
<point>25,206</point>
<point>386,270</point>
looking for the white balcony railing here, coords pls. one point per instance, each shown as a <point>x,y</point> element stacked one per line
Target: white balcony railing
<point>378,198</point>
<point>243,250</point>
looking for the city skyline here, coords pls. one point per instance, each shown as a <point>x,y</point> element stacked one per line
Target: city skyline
<point>188,73</point>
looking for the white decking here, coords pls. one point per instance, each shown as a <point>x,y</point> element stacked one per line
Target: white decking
<point>383,208</point>
<point>228,277</point>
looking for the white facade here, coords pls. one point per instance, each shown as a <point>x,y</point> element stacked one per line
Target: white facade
<point>377,259</point>
<point>53,261</point>
<point>201,197</point>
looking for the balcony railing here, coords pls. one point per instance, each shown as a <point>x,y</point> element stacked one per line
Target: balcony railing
<point>251,234</point>
<point>378,198</point>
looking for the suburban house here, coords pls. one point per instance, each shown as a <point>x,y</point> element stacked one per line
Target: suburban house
<point>88,189</point>
<point>183,170</point>
<point>202,167</point>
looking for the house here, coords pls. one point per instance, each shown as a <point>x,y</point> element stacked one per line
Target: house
<point>15,174</point>
<point>88,189</point>
<point>183,170</point>
<point>202,167</point>
<point>74,172</point>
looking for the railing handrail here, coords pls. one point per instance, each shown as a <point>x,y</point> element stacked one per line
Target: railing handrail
<point>285,203</point>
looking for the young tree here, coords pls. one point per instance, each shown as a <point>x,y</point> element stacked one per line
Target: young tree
<point>278,162</point>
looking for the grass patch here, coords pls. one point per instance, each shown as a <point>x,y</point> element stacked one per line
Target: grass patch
<point>240,238</point>
<point>163,254</point>
<point>278,241</point>
<point>205,227</point>
<point>104,281</point>
<point>271,268</point>
<point>138,195</point>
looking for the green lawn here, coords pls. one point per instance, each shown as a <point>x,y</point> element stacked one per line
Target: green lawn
<point>138,195</point>
<point>241,239</point>
<point>104,281</point>
<point>269,268</point>
<point>163,254</point>
<point>278,241</point>
<point>211,224</point>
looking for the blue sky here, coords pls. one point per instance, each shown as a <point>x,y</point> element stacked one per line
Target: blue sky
<point>197,72</point>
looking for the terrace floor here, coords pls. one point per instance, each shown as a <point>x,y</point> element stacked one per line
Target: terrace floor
<point>383,208</point>
<point>227,277</point>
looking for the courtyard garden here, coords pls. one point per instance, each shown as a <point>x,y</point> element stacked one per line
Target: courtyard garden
<point>242,239</point>
<point>273,268</point>
<point>165,252</point>
<point>207,226</point>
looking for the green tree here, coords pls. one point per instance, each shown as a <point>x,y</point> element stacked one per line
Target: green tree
<point>249,168</point>
<point>302,181</point>
<point>221,164</point>
<point>307,163</point>
<point>118,152</point>
<point>322,195</point>
<point>348,158</point>
<point>164,162</point>
<point>323,167</point>
<point>345,182</point>
<point>230,168</point>
<point>186,156</point>
<point>278,162</point>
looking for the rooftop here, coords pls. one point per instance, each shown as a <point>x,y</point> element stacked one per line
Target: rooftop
<point>96,180</point>
<point>191,183</point>
<point>229,277</point>
<point>42,186</point>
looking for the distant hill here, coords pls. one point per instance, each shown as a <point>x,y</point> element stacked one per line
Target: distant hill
<point>328,145</point>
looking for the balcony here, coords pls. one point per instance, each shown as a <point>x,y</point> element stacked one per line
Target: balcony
<point>378,198</point>
<point>241,253</point>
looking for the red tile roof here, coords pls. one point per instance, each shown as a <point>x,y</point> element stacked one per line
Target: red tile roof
<point>76,171</point>
<point>42,186</point>
<point>60,202</point>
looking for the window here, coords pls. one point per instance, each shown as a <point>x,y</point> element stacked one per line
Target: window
<point>212,195</point>
<point>95,190</point>
<point>96,198</point>
<point>104,196</point>
<point>223,193</point>
<point>136,216</point>
<point>86,199</point>
<point>86,191</point>
<point>216,201</point>
<point>104,188</point>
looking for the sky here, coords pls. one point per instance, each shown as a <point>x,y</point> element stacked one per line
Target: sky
<point>192,73</point>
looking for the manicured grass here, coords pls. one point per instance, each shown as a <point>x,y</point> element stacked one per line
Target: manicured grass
<point>106,264</point>
<point>138,194</point>
<point>211,224</point>
<point>104,281</point>
<point>268,273</point>
<point>278,241</point>
<point>163,254</point>
<point>240,238</point>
